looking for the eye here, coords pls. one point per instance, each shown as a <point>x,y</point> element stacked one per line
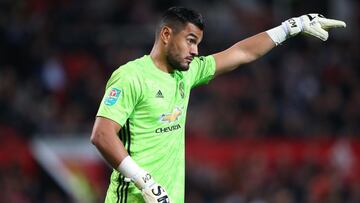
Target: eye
<point>191,41</point>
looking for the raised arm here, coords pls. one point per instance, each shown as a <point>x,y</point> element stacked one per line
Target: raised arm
<point>243,52</point>
<point>256,46</point>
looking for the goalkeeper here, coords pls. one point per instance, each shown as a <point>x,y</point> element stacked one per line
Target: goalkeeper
<point>140,124</point>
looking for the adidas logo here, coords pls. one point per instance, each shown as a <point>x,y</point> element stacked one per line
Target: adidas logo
<point>159,94</point>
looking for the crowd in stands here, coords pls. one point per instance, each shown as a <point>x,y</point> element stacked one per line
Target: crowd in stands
<point>251,181</point>
<point>56,56</point>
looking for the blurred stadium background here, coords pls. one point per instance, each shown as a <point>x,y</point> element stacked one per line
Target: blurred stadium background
<point>284,129</point>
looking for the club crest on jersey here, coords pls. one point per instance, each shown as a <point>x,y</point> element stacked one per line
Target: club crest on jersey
<point>112,97</point>
<point>171,117</point>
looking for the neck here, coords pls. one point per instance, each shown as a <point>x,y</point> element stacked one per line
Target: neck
<point>159,59</point>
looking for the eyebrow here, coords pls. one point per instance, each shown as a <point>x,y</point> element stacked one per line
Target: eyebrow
<point>193,35</point>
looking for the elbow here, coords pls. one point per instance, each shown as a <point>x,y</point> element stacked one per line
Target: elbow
<point>250,57</point>
<point>96,137</point>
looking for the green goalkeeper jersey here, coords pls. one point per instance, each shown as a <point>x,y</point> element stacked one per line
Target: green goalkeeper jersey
<point>151,105</point>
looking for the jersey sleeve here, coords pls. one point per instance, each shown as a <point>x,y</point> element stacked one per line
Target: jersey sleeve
<point>121,95</point>
<point>202,70</point>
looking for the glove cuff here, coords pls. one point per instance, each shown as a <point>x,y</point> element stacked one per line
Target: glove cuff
<point>132,171</point>
<point>278,34</point>
<point>129,168</point>
<point>287,29</point>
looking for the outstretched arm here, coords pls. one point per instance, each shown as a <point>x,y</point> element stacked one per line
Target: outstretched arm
<point>256,46</point>
<point>243,52</point>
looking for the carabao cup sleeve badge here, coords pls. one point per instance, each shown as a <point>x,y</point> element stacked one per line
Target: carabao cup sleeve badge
<point>112,97</point>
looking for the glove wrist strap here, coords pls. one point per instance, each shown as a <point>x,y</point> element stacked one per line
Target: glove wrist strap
<point>129,168</point>
<point>132,171</point>
<point>278,34</point>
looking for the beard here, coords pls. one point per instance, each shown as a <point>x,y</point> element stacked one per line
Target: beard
<point>176,61</point>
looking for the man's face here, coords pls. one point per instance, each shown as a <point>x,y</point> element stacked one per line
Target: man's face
<point>183,47</point>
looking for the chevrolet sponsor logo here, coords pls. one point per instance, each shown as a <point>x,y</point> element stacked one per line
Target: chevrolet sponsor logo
<point>171,117</point>
<point>168,129</point>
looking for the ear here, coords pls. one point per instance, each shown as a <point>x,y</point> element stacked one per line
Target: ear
<point>165,34</point>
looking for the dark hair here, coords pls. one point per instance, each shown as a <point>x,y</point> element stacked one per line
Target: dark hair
<point>177,17</point>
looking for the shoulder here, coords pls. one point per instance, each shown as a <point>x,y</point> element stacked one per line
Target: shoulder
<point>202,59</point>
<point>132,69</point>
<point>201,62</point>
<point>129,74</point>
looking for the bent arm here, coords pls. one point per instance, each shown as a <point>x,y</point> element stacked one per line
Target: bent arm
<point>104,137</point>
<point>243,52</point>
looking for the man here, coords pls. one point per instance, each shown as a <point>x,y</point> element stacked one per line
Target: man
<point>139,128</point>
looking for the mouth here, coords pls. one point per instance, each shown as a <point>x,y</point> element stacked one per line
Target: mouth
<point>189,59</point>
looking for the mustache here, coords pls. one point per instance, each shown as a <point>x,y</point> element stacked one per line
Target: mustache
<point>190,57</point>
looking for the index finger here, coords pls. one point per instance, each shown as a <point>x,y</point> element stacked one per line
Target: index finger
<point>331,23</point>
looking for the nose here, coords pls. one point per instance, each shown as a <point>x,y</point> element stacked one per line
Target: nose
<point>194,50</point>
